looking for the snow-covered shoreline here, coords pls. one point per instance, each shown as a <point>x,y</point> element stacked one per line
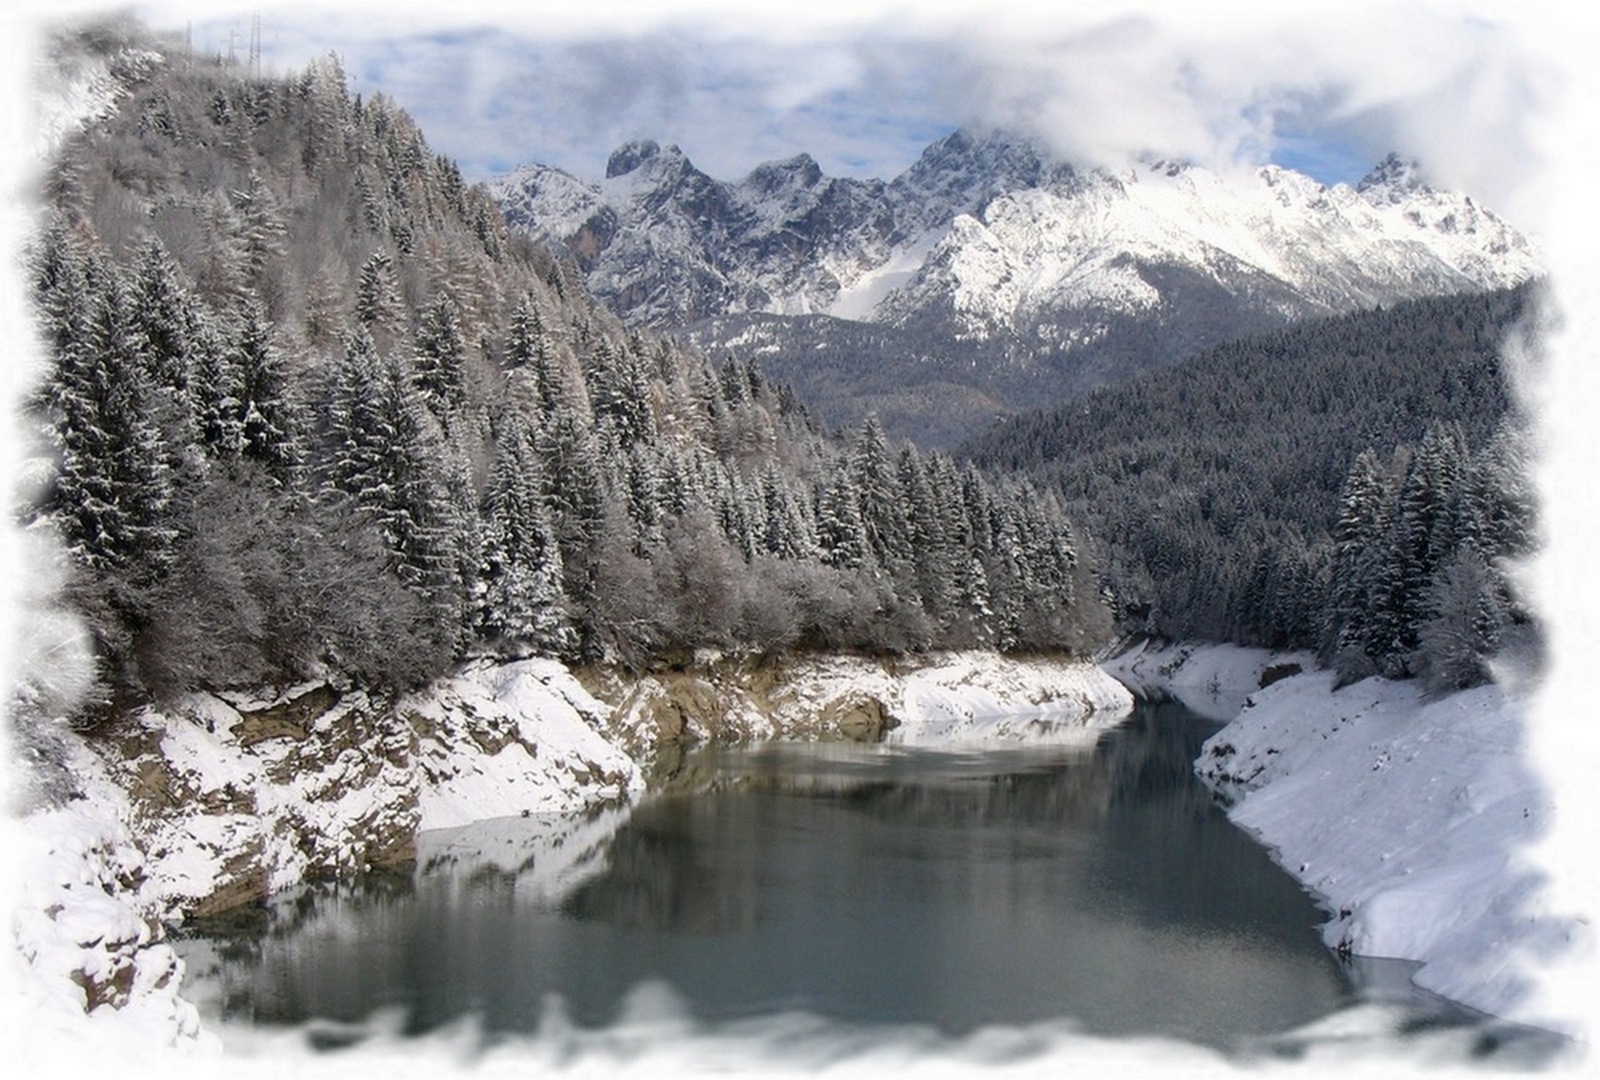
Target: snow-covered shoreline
<point>1407,817</point>
<point>221,800</point>
<point>1403,816</point>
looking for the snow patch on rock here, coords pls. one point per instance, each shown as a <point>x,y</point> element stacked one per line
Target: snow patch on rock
<point>538,733</point>
<point>943,697</point>
<point>90,969</point>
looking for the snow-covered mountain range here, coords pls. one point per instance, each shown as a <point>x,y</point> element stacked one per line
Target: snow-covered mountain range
<point>989,250</point>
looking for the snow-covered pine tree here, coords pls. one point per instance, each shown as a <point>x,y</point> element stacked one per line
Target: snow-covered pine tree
<point>164,316</point>
<point>114,488</point>
<point>577,493</point>
<point>378,306</point>
<point>841,534</point>
<point>268,422</point>
<point>646,509</point>
<point>217,391</point>
<point>264,237</point>
<point>1354,585</point>
<point>932,559</point>
<point>521,601</point>
<point>1421,535</point>
<point>441,356</point>
<point>1462,634</point>
<point>882,502</point>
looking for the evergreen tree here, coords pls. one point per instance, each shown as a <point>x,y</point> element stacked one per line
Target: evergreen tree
<point>164,319</point>
<point>882,503</point>
<point>841,534</point>
<point>576,491</point>
<point>525,340</point>
<point>114,488</point>
<point>267,422</point>
<point>218,393</point>
<point>441,357</point>
<point>1464,631</point>
<point>933,559</point>
<point>378,306</point>
<point>263,236</point>
<point>646,512</point>
<point>1354,589</point>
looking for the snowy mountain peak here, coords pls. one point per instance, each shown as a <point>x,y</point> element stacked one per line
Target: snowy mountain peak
<point>997,153</point>
<point>631,155</point>
<point>798,172</point>
<point>990,242</point>
<point>1169,167</point>
<point>967,167</point>
<point>1394,178</point>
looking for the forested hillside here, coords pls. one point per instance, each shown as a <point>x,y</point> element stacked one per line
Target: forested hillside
<point>311,408</point>
<point>1354,485</point>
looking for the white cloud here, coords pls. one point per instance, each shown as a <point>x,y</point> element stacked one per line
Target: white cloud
<point>864,86</point>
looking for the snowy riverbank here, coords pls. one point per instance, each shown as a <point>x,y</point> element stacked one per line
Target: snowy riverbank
<point>224,799</point>
<point>1406,817</point>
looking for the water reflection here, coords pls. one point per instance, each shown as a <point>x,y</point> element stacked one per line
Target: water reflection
<point>872,884</point>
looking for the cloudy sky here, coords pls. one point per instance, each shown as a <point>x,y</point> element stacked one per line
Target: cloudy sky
<point>864,86</point>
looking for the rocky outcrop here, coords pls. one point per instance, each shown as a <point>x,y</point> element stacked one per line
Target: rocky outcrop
<point>861,719</point>
<point>234,797</point>
<point>949,695</point>
<point>232,800</point>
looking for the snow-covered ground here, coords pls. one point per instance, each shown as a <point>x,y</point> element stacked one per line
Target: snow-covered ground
<point>221,800</point>
<point>551,756</point>
<point>1407,817</point>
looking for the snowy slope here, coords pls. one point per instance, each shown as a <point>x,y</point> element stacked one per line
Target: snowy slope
<point>89,968</point>
<point>1404,816</point>
<point>81,86</point>
<point>988,231</point>
<point>548,754</point>
<point>1303,248</point>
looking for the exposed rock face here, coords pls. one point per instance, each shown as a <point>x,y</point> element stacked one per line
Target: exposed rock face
<point>234,799</point>
<point>861,719</point>
<point>949,695</point>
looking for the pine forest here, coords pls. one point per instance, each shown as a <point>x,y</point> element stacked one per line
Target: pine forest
<point>315,409</point>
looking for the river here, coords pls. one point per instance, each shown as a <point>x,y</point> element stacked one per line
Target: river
<point>1085,879</point>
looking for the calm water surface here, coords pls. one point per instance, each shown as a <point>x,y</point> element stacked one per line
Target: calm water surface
<point>1093,880</point>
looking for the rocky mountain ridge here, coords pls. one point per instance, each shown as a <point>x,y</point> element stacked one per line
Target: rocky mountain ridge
<point>989,253</point>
